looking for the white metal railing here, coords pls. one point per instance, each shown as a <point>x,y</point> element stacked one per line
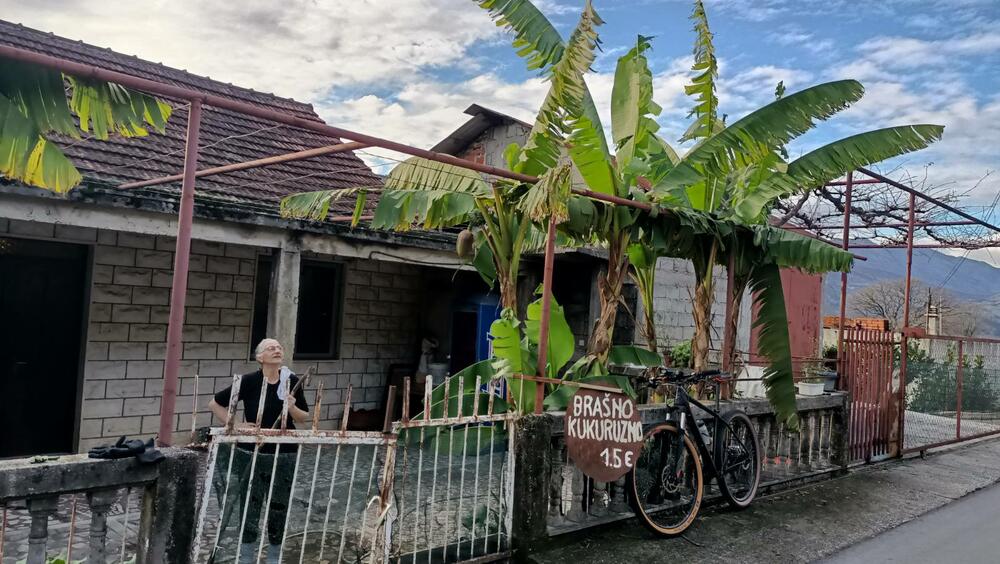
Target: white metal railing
<point>434,487</point>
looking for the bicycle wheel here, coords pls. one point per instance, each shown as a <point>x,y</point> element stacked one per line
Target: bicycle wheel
<point>666,502</point>
<point>737,458</point>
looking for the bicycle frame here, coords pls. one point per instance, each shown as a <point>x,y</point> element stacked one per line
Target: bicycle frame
<point>684,416</point>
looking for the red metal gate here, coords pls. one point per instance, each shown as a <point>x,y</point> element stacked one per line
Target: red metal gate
<point>869,361</point>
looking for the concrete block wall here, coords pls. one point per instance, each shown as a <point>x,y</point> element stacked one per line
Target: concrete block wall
<point>380,327</point>
<point>126,337</point>
<point>128,312</point>
<point>673,293</point>
<point>488,148</point>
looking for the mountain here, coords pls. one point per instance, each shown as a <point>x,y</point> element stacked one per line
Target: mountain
<point>973,281</point>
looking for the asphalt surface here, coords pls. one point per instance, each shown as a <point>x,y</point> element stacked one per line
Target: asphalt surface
<point>820,520</point>
<point>962,532</point>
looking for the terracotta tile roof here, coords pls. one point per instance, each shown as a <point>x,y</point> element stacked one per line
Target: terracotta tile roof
<point>226,137</point>
<point>869,323</point>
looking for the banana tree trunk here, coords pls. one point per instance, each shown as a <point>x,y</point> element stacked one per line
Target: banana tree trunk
<point>732,325</point>
<point>645,279</point>
<point>702,312</point>
<point>508,290</point>
<point>704,296</point>
<point>609,287</point>
<point>649,332</point>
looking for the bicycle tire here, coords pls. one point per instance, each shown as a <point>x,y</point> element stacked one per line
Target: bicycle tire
<point>740,485</point>
<point>648,472</point>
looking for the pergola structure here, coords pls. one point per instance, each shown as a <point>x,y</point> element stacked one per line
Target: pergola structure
<point>358,141</point>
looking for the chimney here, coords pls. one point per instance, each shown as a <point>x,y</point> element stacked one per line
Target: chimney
<point>933,316</point>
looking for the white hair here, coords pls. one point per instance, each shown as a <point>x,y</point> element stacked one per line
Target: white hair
<point>262,344</point>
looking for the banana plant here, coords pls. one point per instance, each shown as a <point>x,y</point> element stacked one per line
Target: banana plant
<point>570,110</point>
<point>643,258</point>
<point>37,104</point>
<point>737,172</point>
<point>720,192</point>
<point>425,194</point>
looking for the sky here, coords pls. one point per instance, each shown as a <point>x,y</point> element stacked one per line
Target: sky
<point>406,69</point>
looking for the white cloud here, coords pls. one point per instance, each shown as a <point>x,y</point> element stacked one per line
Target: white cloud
<point>296,48</point>
<point>908,52</point>
<point>424,111</point>
<point>911,80</point>
<point>792,36</point>
<point>389,67</point>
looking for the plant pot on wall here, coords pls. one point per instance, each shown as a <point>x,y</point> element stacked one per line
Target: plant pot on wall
<point>810,388</point>
<point>829,378</point>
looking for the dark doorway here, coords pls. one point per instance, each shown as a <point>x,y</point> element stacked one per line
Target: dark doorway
<point>41,307</point>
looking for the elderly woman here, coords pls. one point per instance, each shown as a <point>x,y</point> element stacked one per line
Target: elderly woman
<point>280,382</point>
<point>270,354</point>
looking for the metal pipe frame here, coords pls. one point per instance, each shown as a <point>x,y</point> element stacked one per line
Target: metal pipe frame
<point>959,369</point>
<point>729,332</point>
<point>854,182</point>
<point>924,246</point>
<point>925,197</point>
<point>197,99</point>
<point>895,225</point>
<point>904,344</point>
<point>276,159</point>
<point>178,287</point>
<point>171,91</point>
<point>154,87</point>
<point>543,329</point>
<point>846,242</point>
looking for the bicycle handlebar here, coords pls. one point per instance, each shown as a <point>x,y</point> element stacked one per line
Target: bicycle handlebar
<point>676,376</point>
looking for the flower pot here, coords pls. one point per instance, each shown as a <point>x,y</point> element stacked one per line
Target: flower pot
<point>810,388</point>
<point>829,379</point>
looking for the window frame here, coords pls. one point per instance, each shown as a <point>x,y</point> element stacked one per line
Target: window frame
<point>267,304</point>
<point>336,317</point>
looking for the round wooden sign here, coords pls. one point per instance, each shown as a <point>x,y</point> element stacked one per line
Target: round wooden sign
<point>603,433</point>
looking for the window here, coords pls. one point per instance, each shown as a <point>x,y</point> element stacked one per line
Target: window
<point>261,301</point>
<point>318,322</point>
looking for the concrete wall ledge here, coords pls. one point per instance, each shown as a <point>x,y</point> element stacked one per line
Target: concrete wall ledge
<point>167,510</point>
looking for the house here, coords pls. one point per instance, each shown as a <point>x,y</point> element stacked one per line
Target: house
<point>87,277</point>
<point>85,280</point>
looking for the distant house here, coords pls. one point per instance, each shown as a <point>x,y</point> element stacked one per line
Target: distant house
<point>831,327</point>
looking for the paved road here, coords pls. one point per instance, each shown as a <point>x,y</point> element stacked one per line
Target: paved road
<point>964,531</point>
<point>820,520</point>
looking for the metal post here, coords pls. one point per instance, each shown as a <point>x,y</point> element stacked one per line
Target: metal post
<point>178,290</point>
<point>904,346</point>
<point>543,326</point>
<point>958,392</point>
<point>845,244</point>
<point>276,159</point>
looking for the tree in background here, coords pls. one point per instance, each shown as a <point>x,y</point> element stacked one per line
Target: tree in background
<point>885,300</point>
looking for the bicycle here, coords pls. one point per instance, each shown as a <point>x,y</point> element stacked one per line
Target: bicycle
<point>666,485</point>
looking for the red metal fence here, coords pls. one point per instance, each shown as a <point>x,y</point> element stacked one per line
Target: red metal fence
<point>869,361</point>
<point>952,391</point>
